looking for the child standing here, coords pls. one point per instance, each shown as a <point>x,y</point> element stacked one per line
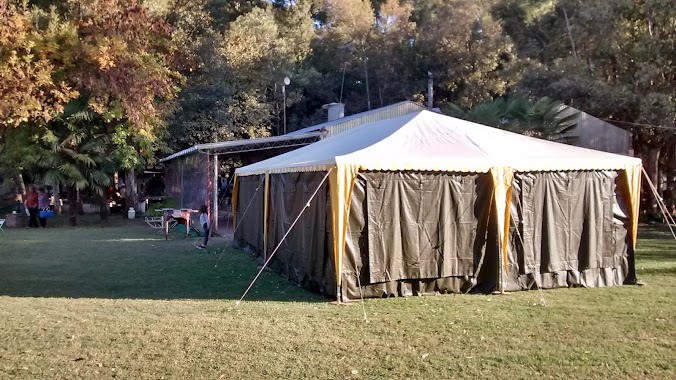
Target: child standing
<point>204,222</point>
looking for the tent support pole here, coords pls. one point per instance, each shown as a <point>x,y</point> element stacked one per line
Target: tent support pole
<point>182,188</point>
<point>214,189</point>
<point>501,278</point>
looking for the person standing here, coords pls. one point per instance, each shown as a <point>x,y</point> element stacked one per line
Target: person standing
<point>32,206</point>
<point>204,221</point>
<point>43,205</point>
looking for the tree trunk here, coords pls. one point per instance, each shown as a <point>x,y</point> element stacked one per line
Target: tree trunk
<point>669,171</point>
<point>22,186</point>
<point>670,192</point>
<point>19,191</point>
<point>72,206</point>
<point>80,206</point>
<point>570,34</point>
<point>130,191</point>
<point>368,92</point>
<point>104,210</point>
<point>56,188</point>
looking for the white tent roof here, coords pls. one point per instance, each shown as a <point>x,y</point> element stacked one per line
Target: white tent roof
<point>429,141</point>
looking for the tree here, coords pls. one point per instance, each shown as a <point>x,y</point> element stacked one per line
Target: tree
<point>612,59</point>
<point>260,49</point>
<point>122,60</point>
<point>32,83</point>
<point>544,118</point>
<point>73,151</point>
<point>346,36</point>
<point>123,65</point>
<point>465,48</point>
<point>391,53</point>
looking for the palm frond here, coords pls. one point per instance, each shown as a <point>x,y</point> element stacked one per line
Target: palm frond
<point>71,171</point>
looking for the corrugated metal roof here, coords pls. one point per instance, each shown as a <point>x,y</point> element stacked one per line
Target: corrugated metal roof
<point>249,144</point>
<point>346,123</point>
<point>333,127</point>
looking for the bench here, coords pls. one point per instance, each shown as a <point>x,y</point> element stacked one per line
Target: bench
<point>154,222</point>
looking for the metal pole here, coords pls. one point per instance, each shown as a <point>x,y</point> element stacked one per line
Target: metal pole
<point>284,96</point>
<point>430,91</point>
<point>215,187</point>
<point>182,188</point>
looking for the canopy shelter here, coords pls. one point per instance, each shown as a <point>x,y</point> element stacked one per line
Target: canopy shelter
<point>192,174</point>
<point>415,203</point>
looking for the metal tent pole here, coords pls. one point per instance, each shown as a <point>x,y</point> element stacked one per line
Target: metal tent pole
<point>214,189</point>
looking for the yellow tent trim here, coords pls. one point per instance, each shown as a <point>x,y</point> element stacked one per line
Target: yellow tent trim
<point>341,182</point>
<point>631,187</point>
<point>503,179</point>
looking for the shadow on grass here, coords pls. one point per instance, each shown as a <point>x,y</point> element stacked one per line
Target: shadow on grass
<point>132,262</point>
<point>664,271</point>
<point>655,244</point>
<point>655,232</point>
<point>656,253</point>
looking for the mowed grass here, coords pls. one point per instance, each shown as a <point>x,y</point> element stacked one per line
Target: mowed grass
<point>120,302</point>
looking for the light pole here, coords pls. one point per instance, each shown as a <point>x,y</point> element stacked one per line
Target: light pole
<point>287,81</point>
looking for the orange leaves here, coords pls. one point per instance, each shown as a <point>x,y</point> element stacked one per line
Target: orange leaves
<point>115,51</point>
<point>28,90</point>
<point>123,60</point>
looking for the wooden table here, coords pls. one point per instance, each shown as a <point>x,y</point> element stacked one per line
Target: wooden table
<point>173,214</point>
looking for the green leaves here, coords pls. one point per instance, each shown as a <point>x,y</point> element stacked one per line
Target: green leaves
<point>544,118</point>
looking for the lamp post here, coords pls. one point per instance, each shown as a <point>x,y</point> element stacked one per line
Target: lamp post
<point>287,81</point>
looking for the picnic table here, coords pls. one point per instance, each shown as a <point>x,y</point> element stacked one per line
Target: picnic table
<point>170,214</point>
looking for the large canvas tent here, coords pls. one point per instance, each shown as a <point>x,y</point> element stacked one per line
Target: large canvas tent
<point>426,203</point>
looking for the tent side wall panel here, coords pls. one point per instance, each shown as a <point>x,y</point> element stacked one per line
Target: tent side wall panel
<point>305,257</point>
<point>572,231</point>
<point>249,228</point>
<point>414,233</point>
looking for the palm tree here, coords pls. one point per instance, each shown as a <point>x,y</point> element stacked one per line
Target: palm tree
<point>73,151</point>
<point>545,118</point>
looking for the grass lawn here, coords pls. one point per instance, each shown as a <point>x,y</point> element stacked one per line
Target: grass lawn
<point>120,302</point>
